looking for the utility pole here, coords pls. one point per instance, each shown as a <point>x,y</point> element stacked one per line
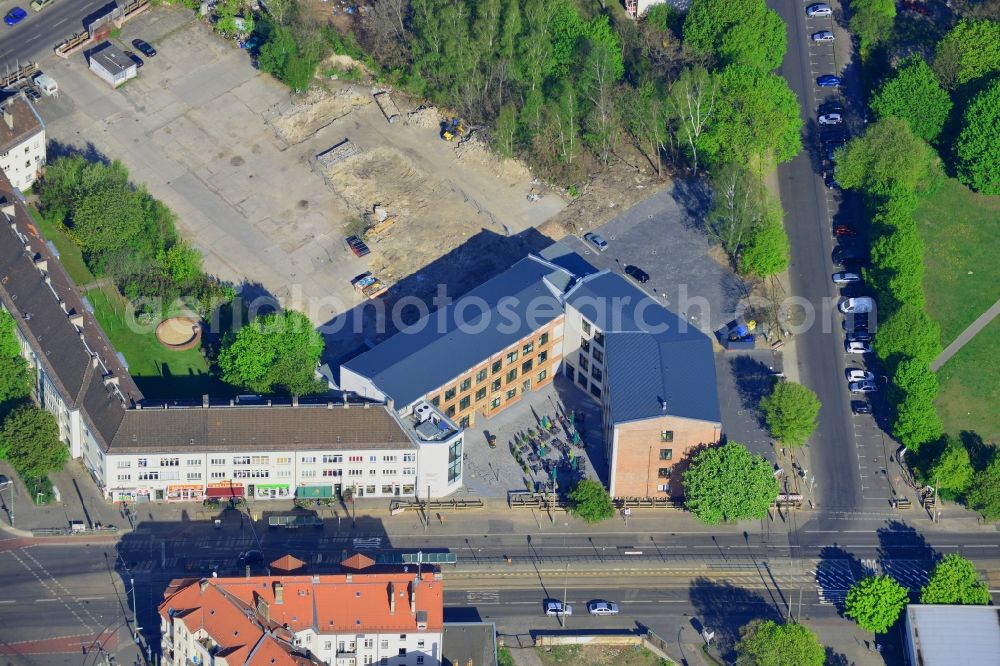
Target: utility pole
<point>937,508</point>
<point>565,592</point>
<point>135,615</point>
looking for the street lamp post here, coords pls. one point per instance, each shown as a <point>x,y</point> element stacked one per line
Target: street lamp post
<point>565,593</point>
<point>135,614</point>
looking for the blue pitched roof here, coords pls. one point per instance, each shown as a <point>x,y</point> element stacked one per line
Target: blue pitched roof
<point>449,341</point>
<point>654,358</point>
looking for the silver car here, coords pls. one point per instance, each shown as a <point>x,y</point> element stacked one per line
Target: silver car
<point>863,387</point>
<point>602,608</point>
<point>845,277</point>
<point>822,36</point>
<point>819,9</point>
<point>556,608</point>
<point>830,119</point>
<point>596,240</point>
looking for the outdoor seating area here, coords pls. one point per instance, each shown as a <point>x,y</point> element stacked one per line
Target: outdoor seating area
<point>553,451</point>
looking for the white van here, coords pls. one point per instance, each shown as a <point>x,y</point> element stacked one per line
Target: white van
<point>46,84</point>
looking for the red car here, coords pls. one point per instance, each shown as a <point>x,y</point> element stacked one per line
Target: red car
<point>844,231</point>
<point>357,246</point>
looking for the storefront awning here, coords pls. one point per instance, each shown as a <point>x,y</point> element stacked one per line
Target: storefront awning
<point>314,492</point>
<point>266,486</point>
<point>227,491</point>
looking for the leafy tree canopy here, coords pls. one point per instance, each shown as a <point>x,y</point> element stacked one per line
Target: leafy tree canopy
<point>886,159</point>
<point>790,412</point>
<point>743,33</point>
<point>768,251</point>
<point>970,50</point>
<point>29,440</point>
<point>727,483</point>
<point>589,500</point>
<point>952,471</point>
<point>917,421</point>
<point>875,603</point>
<point>9,345</point>
<point>914,94</point>
<point>273,353</point>
<point>766,643</point>
<point>978,149</point>
<point>955,581</point>
<point>983,494</point>
<point>872,21</point>
<point>909,332</point>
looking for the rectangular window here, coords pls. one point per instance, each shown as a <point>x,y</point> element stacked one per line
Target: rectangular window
<point>124,477</point>
<point>528,348</point>
<point>261,460</point>
<point>663,472</point>
<point>512,357</point>
<point>308,460</point>
<point>356,459</point>
<point>409,471</point>
<point>512,375</point>
<point>409,457</point>
<point>496,385</point>
<point>599,338</point>
<point>466,384</point>
<point>595,390</point>
<point>369,643</point>
<point>251,473</point>
<point>494,403</point>
<point>663,488</point>
<point>420,644</point>
<point>388,458</point>
<point>142,462</point>
<point>596,374</point>
<point>450,412</point>
<point>372,458</point>
<point>666,435</point>
<point>480,394</point>
<point>464,423</point>
<point>525,386</point>
<point>420,660</point>
<point>541,376</point>
<point>527,366</point>
<point>481,376</point>
<point>598,356</point>
<point>388,472</point>
<point>585,344</point>
<point>217,462</point>
<point>454,469</point>
<point>464,403</point>
<point>436,400</point>
<point>586,327</point>
<point>543,356</point>
<point>193,461</point>
<point>384,644</point>
<point>584,365</point>
<point>284,460</point>
<point>194,476</point>
<point>666,454</point>
<point>582,380</point>
<point>241,460</point>
<point>511,393</point>
<point>333,472</point>
<point>221,475</point>
<point>544,340</point>
<point>329,458</point>
<point>370,490</point>
<point>497,366</point>
<point>386,490</point>
<point>124,464</point>
<point>449,394</point>
<point>283,474</point>
<point>355,472</point>
<point>148,476</point>
<point>308,474</point>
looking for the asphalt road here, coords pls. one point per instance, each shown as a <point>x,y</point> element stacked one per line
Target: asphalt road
<point>36,36</point>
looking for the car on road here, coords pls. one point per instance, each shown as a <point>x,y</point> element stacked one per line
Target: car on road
<point>861,407</point>
<point>844,277</point>
<point>863,387</point>
<point>832,145</point>
<point>857,347</point>
<point>845,255</point>
<point>251,557</point>
<point>830,181</point>
<point>859,375</point>
<point>553,608</point>
<point>134,58</point>
<point>598,607</point>
<point>831,106</point>
<point>596,240</point>
<point>844,230</point>
<point>861,304</point>
<point>3,481</point>
<point>818,9</point>
<point>144,48</point>
<point>637,274</point>
<point>859,335</point>
<point>822,36</point>
<point>15,16</point>
<point>828,81</point>
<point>830,119</point>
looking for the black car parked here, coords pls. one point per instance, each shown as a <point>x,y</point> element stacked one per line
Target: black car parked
<point>861,407</point>
<point>637,274</point>
<point>144,48</point>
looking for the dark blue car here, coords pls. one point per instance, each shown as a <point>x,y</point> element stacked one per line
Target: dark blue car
<point>15,16</point>
<point>828,81</point>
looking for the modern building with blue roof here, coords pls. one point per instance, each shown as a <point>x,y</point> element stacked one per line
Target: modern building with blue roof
<point>652,373</point>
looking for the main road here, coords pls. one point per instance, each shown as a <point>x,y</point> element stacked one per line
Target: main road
<point>36,36</point>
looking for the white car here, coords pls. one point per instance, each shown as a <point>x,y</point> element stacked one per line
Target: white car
<point>822,36</point>
<point>830,119</point>
<point>863,387</point>
<point>556,608</point>
<point>602,608</point>
<point>819,9</point>
<point>859,375</point>
<point>857,347</point>
<point>846,278</point>
<point>860,304</point>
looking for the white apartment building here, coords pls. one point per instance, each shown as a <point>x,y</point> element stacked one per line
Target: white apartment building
<point>347,619</point>
<point>22,140</point>
<point>180,451</point>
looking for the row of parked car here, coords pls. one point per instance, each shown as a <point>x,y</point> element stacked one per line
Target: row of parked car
<point>595,607</point>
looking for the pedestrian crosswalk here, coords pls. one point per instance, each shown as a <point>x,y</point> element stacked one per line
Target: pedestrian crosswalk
<point>834,577</point>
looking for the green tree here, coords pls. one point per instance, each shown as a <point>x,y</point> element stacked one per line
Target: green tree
<point>978,149</point>
<point>183,263</point>
<point>872,21</point>
<point>589,500</point>
<point>743,33</point>
<point>970,50</point>
<point>15,376</point>
<point>909,332</point>
<point>914,390</point>
<point>9,346</point>
<point>952,471</point>
<point>914,94</point>
<point>983,494</point>
<point>897,269</point>
<point>691,109</point>
<point>29,440</point>
<point>790,412</point>
<point>875,603</point>
<point>886,159</point>
<point>766,643</point>
<point>740,205</point>
<point>955,580</point>
<point>274,352</point>
<point>107,219</point>
<point>768,249</point>
<point>728,483</point>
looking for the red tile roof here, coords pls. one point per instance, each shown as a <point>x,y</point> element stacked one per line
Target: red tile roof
<point>240,613</point>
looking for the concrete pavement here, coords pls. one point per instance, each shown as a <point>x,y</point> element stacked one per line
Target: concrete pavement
<point>966,335</point>
<point>36,36</point>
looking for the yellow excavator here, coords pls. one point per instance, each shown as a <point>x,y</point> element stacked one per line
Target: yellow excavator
<point>453,128</point>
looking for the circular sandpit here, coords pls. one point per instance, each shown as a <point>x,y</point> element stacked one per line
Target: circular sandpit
<point>179,333</point>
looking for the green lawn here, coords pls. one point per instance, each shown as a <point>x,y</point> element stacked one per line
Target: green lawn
<point>970,395</point>
<point>597,655</point>
<point>159,372</point>
<point>961,234</point>
<point>69,254</point>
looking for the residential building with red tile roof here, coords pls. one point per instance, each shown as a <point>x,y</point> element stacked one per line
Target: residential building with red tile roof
<point>346,619</point>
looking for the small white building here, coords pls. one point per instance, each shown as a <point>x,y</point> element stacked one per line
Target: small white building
<point>943,635</point>
<point>22,140</point>
<point>111,64</point>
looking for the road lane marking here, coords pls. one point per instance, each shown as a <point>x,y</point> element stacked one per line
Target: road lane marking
<point>38,601</point>
<point>6,602</point>
<point>88,598</point>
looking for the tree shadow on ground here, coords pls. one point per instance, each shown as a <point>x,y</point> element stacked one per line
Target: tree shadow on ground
<point>905,555</point>
<point>837,570</point>
<point>753,381</point>
<point>834,658</point>
<point>724,609</point>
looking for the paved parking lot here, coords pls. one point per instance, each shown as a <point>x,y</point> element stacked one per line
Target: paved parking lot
<point>661,238</point>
